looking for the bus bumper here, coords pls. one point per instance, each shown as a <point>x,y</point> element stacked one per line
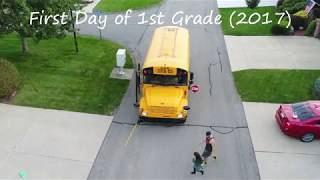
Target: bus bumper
<point>162,120</point>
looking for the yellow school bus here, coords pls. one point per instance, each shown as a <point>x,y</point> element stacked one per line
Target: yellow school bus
<point>166,77</point>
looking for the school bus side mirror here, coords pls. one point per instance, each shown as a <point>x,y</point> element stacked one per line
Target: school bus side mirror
<point>190,82</point>
<point>191,76</point>
<point>186,108</point>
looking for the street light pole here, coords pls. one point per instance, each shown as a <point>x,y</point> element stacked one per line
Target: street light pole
<point>74,32</point>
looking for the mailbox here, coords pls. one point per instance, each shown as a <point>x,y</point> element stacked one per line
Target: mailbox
<point>121,60</point>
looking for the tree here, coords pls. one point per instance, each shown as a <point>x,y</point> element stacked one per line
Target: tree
<point>15,17</point>
<point>252,3</point>
<point>292,6</point>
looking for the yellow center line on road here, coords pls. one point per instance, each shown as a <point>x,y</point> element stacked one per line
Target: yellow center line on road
<point>131,133</point>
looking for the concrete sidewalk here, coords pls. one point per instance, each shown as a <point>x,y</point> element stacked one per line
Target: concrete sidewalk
<point>90,7</point>
<point>279,156</point>
<point>49,143</point>
<point>273,52</point>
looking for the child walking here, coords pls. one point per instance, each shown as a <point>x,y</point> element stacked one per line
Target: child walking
<point>198,163</point>
<point>208,150</point>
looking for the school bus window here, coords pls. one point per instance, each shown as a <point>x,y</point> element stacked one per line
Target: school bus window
<point>181,79</point>
<point>165,80</point>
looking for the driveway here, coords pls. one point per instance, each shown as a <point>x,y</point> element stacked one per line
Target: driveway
<point>279,156</point>
<point>45,143</point>
<point>161,152</point>
<point>273,52</point>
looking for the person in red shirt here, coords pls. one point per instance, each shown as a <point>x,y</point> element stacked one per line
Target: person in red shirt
<point>208,150</point>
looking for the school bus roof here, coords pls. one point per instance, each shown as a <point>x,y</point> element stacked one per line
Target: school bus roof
<point>169,48</point>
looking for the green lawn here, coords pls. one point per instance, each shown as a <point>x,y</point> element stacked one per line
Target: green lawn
<point>123,5</point>
<point>258,29</point>
<point>53,76</point>
<point>276,86</point>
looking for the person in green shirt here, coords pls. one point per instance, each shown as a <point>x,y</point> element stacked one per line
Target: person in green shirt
<point>198,163</point>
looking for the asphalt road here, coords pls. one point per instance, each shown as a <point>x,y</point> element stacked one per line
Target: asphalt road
<point>165,152</point>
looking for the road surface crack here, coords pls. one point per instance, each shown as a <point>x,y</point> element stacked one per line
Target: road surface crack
<point>210,71</point>
<point>215,128</point>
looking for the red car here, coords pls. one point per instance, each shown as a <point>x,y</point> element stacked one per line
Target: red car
<point>301,120</point>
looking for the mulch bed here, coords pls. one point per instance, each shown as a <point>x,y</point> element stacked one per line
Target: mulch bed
<point>299,33</point>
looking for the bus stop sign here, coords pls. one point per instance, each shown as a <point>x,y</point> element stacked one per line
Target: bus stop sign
<point>194,88</point>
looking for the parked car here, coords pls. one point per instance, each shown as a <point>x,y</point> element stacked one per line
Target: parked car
<point>300,120</point>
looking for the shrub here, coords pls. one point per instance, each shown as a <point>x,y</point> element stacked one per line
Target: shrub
<point>9,78</point>
<point>279,3</point>
<point>311,28</point>
<point>280,29</point>
<point>299,6</point>
<point>301,13</point>
<point>286,18</point>
<point>316,12</point>
<point>316,90</point>
<point>292,6</point>
<point>298,22</point>
<point>252,3</point>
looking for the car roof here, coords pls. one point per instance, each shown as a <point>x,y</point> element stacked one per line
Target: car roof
<point>315,107</point>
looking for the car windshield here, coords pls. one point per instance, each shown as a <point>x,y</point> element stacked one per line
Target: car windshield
<point>166,80</point>
<point>302,111</point>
